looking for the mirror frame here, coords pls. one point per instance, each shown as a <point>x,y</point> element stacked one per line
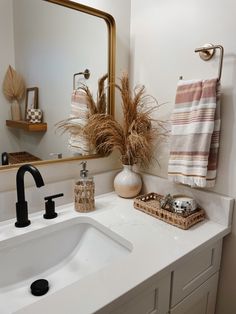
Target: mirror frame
<point>111,27</point>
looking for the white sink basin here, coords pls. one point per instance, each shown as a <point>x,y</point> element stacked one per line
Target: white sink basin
<point>61,253</point>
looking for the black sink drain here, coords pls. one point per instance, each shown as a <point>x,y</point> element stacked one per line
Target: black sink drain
<point>39,287</point>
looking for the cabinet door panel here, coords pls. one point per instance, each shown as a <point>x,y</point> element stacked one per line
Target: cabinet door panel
<point>143,303</point>
<point>154,300</point>
<point>195,271</point>
<point>202,300</point>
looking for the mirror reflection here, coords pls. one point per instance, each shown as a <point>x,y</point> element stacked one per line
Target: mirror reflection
<point>46,44</point>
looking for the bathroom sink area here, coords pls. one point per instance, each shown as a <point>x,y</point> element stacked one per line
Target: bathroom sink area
<point>60,252</point>
<point>111,260</point>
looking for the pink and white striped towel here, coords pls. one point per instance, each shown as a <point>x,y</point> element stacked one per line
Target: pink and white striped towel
<point>195,133</point>
<point>77,142</point>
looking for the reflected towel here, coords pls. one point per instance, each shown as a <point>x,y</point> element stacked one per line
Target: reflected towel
<point>195,133</point>
<point>79,110</point>
<point>79,105</point>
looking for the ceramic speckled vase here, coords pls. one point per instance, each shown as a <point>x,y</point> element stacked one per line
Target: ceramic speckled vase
<point>127,183</point>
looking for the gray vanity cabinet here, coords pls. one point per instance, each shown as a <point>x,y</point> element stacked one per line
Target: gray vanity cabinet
<point>194,282</point>
<point>195,271</point>
<point>190,288</point>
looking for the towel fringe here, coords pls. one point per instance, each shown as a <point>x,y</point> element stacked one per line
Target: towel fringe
<point>192,181</point>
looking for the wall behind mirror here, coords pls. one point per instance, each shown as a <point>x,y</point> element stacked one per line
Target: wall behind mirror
<point>47,43</point>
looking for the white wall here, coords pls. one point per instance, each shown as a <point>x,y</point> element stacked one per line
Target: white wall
<point>164,35</point>
<point>8,139</point>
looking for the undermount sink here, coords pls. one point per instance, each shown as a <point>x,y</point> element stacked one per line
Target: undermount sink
<point>61,253</point>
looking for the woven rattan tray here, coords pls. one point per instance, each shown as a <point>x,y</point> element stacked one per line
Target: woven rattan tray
<point>20,157</point>
<point>150,204</point>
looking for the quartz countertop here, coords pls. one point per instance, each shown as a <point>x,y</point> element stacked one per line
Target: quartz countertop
<point>157,248</point>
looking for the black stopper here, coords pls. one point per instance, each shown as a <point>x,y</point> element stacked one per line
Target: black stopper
<point>39,287</point>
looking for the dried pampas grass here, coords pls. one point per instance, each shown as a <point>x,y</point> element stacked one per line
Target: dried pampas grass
<point>13,85</point>
<point>135,137</point>
<point>105,133</point>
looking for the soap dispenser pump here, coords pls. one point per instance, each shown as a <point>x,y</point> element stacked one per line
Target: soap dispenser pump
<point>84,171</point>
<point>84,191</point>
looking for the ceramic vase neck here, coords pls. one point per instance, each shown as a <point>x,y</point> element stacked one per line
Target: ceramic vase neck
<point>127,167</point>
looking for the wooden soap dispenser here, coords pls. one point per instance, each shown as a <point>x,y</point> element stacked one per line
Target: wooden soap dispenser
<point>84,191</point>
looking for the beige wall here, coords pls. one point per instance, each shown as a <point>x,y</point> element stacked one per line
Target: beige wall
<point>8,139</point>
<point>164,35</point>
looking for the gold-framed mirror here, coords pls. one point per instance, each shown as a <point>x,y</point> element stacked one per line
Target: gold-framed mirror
<point>51,41</point>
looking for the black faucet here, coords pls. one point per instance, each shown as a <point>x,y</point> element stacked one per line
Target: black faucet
<point>21,205</point>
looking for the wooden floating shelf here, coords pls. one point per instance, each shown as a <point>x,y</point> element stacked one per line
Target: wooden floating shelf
<point>27,126</point>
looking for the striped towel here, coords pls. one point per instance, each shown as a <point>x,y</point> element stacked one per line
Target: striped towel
<point>77,142</point>
<point>195,133</point>
<point>79,105</point>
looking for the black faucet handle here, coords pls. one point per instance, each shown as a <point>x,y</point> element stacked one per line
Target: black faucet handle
<point>51,197</point>
<point>5,159</point>
<point>50,206</point>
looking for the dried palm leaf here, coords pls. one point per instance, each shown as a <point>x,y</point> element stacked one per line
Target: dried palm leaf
<point>13,85</point>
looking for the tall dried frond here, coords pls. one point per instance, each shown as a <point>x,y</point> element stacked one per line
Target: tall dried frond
<point>13,85</point>
<point>89,98</point>
<point>101,96</point>
<point>140,129</point>
<point>128,109</point>
<point>131,103</point>
<point>139,95</point>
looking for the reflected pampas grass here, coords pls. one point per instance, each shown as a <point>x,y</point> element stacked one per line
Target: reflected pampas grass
<point>71,124</point>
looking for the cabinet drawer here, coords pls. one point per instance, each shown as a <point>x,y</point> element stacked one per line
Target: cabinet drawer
<point>200,301</point>
<point>195,271</point>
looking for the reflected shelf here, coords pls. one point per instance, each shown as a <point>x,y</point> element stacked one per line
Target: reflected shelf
<point>27,126</point>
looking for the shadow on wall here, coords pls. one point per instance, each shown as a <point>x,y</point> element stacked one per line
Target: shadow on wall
<point>224,183</point>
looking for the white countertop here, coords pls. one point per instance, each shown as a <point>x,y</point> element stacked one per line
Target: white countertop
<point>157,249</point>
